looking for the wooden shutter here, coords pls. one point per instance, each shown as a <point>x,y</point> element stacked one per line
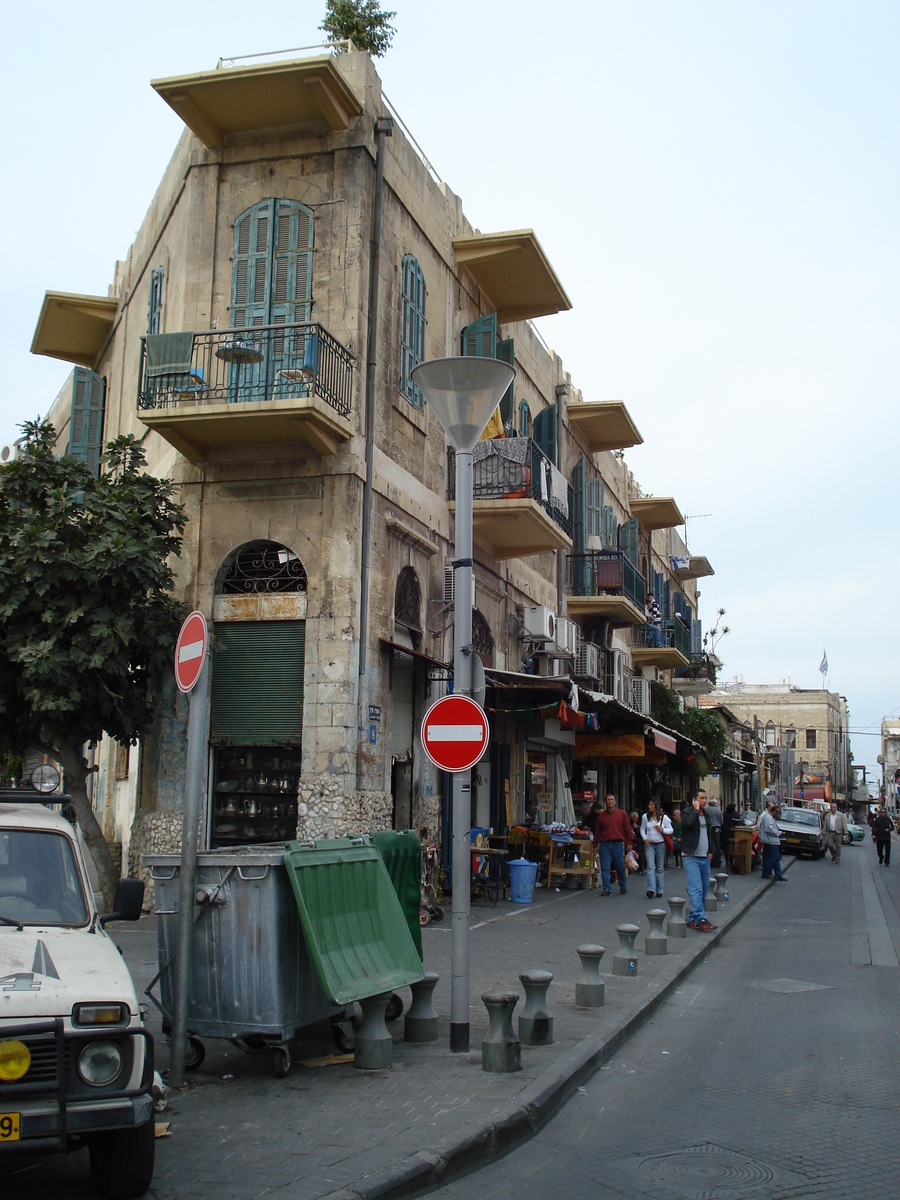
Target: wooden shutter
<point>524,419</point>
<point>251,266</point>
<point>545,431</point>
<point>412,329</point>
<point>610,530</point>
<point>156,287</point>
<point>479,340</point>
<point>697,637</point>
<point>506,352</point>
<point>629,541</point>
<point>86,425</point>
<point>257,683</point>
<point>579,531</point>
<point>291,272</point>
<point>593,504</point>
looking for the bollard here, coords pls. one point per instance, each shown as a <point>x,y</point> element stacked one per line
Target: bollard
<point>655,942</point>
<point>500,1050</point>
<point>709,900</point>
<point>373,1045</point>
<point>625,958</point>
<point>590,991</point>
<point>676,926</point>
<point>421,1024</point>
<point>722,890</point>
<point>535,1022</point>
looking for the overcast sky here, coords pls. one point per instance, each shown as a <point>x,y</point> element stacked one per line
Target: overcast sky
<point>716,184</point>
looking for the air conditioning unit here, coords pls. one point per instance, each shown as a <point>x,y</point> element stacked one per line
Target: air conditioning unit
<point>549,668</point>
<point>450,585</point>
<point>566,637</point>
<point>587,661</point>
<point>540,624</point>
<point>640,694</point>
<point>10,452</point>
<point>651,674</point>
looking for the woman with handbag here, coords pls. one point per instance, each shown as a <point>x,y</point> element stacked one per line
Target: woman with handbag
<point>656,834</point>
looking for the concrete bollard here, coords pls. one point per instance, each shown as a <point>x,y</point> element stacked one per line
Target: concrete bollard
<point>722,890</point>
<point>676,926</point>
<point>709,900</point>
<point>535,1022</point>
<point>590,991</point>
<point>501,1050</point>
<point>625,958</point>
<point>655,942</point>
<point>373,1046</point>
<point>421,1024</point>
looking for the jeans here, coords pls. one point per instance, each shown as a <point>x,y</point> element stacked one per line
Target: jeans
<point>771,863</point>
<point>656,862</point>
<point>697,872</point>
<point>612,853</point>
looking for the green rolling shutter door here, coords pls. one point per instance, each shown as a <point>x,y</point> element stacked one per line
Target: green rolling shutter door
<point>257,683</point>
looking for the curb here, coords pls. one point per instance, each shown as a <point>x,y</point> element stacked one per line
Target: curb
<point>480,1143</point>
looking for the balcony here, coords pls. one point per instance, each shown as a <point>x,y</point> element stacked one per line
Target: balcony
<point>605,424</point>
<point>605,583</point>
<point>667,645</point>
<point>265,385</point>
<point>656,512</point>
<point>520,500</point>
<point>698,677</point>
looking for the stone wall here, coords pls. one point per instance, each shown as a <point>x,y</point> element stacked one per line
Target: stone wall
<point>152,833</point>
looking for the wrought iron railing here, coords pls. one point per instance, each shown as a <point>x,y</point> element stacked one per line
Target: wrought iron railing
<point>508,468</point>
<point>605,573</point>
<point>670,633</point>
<point>702,667</point>
<point>234,366</point>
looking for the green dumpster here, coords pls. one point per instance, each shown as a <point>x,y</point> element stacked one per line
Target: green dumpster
<point>356,933</point>
<point>401,853</point>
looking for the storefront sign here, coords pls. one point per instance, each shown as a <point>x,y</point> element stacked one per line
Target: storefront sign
<point>611,745</point>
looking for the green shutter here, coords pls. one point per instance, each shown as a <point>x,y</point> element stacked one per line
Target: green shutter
<point>479,340</point>
<point>593,503</point>
<point>506,352</point>
<point>251,266</point>
<point>156,288</point>
<point>610,530</point>
<point>545,431</point>
<point>524,419</point>
<point>86,425</point>
<point>412,329</point>
<point>578,509</point>
<point>629,541</point>
<point>257,683</point>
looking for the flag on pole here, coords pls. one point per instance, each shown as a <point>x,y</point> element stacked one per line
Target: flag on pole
<point>823,665</point>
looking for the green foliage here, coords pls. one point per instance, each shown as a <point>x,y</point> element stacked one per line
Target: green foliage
<point>700,725</point>
<point>362,21</point>
<point>11,767</point>
<point>87,618</point>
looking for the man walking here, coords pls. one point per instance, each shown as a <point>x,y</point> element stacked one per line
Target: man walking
<point>613,835</point>
<point>770,836</point>
<point>696,852</point>
<point>881,834</point>
<point>835,828</point>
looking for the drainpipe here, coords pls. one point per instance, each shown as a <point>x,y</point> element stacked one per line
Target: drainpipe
<point>561,392</point>
<point>384,127</point>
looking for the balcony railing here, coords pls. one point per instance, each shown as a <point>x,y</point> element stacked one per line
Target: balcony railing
<point>605,573</point>
<point>234,366</point>
<point>514,468</point>
<point>672,634</point>
<point>701,668</point>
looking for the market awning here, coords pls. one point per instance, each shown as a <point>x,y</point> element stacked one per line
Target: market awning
<point>399,648</point>
<point>663,741</point>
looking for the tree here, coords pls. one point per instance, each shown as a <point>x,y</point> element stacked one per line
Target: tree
<point>87,617</point>
<point>362,21</point>
<point>700,725</point>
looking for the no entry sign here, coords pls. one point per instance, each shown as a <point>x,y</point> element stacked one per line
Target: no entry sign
<point>190,651</point>
<point>455,733</point>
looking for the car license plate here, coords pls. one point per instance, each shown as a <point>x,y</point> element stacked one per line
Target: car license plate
<point>792,841</point>
<point>9,1127</point>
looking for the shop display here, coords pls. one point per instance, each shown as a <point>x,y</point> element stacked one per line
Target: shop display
<point>254,795</point>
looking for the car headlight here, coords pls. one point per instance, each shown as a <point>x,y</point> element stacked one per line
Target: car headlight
<point>99,1014</point>
<point>15,1059</point>
<point>100,1063</point>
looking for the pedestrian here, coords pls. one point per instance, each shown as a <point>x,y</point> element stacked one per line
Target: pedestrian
<point>881,835</point>
<point>655,828</point>
<point>835,828</point>
<point>696,856</point>
<point>613,836</point>
<point>770,836</point>
<point>590,821</point>
<point>716,818</point>
<point>637,841</point>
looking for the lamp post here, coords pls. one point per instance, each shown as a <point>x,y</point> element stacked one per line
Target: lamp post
<point>463,393</point>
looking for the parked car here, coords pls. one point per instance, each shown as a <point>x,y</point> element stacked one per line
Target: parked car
<point>855,833</point>
<point>69,1007</point>
<point>802,832</point>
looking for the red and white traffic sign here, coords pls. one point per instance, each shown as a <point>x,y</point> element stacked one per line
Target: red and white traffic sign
<point>455,733</point>
<point>190,651</point>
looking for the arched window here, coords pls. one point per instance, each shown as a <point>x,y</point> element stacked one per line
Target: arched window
<point>412,329</point>
<point>770,733</point>
<point>524,419</point>
<point>482,640</point>
<point>261,566</point>
<point>408,600</point>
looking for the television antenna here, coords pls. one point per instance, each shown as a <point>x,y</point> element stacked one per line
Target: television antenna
<point>693,517</point>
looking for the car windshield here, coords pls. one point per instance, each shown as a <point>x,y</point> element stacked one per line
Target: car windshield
<point>799,816</point>
<point>39,879</point>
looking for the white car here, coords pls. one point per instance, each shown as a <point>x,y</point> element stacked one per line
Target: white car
<point>76,1063</point>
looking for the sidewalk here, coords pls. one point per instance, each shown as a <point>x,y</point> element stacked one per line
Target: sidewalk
<point>237,1131</point>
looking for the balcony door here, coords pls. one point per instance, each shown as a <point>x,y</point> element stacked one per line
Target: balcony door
<point>271,285</point>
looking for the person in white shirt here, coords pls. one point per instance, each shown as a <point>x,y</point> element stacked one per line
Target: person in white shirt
<point>655,827</point>
<point>835,828</point>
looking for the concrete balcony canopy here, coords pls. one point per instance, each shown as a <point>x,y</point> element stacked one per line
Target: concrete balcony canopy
<point>517,528</point>
<point>514,271</point>
<point>697,567</point>
<point>74,328</point>
<point>280,95</point>
<point>606,424</point>
<point>667,658</point>
<point>656,512</point>
<point>619,610</point>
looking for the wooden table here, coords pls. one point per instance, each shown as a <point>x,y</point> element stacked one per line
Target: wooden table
<point>584,849</point>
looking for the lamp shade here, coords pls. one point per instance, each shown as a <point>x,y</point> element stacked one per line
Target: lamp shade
<point>463,392</point>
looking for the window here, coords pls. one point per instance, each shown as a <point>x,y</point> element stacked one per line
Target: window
<point>479,340</point>
<point>770,733</point>
<point>156,286</point>
<point>482,639</point>
<point>629,541</point>
<point>545,431</point>
<point>524,419</point>
<point>412,329</point>
<point>408,599</point>
<point>810,739</point>
<point>261,567</point>
<point>790,739</point>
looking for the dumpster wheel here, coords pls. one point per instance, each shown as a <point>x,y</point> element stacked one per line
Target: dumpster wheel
<point>282,1061</point>
<point>194,1055</point>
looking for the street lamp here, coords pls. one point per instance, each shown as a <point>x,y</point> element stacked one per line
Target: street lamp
<point>463,393</point>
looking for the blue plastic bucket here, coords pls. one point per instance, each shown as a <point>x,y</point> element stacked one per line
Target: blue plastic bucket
<point>522,875</point>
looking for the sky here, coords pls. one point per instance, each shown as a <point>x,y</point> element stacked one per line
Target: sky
<point>715,183</point>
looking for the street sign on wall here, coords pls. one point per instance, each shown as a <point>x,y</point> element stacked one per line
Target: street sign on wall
<point>190,651</point>
<point>455,733</point>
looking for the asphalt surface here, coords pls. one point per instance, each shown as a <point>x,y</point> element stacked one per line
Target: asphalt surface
<point>772,1072</point>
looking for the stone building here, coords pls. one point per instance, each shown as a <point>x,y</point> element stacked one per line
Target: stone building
<point>890,763</point>
<point>299,258</point>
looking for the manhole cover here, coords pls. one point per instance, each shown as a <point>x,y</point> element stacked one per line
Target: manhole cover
<point>789,987</point>
<point>707,1172</point>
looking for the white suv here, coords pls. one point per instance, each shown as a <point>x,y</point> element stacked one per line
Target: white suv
<point>76,1063</point>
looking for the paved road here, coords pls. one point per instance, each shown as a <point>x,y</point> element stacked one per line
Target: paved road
<point>772,1073</point>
